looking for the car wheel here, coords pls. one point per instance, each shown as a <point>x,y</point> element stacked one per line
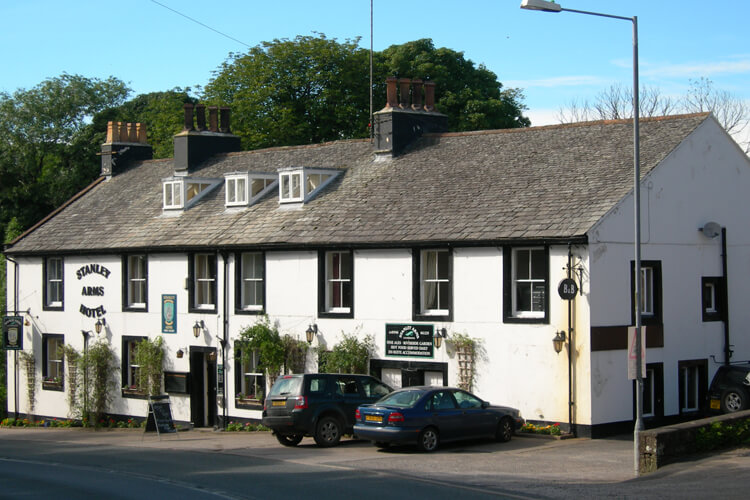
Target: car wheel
<point>328,432</point>
<point>732,400</point>
<point>504,430</point>
<point>289,439</point>
<point>381,444</point>
<point>428,439</point>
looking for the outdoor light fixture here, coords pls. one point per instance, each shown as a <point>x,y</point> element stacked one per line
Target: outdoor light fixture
<point>197,327</point>
<point>99,324</point>
<point>180,353</point>
<point>541,5</point>
<point>559,341</point>
<point>310,332</point>
<point>437,339</point>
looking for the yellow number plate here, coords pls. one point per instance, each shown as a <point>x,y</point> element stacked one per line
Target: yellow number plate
<point>373,418</point>
<point>278,403</point>
<point>715,404</point>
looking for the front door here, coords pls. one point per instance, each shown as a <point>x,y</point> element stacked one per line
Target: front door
<point>202,387</point>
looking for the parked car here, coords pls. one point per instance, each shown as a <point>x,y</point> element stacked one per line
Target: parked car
<point>428,416</point>
<point>730,388</point>
<point>320,405</point>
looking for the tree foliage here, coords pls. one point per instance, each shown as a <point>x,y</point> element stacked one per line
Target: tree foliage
<point>350,355</point>
<point>149,356</point>
<point>262,338</point>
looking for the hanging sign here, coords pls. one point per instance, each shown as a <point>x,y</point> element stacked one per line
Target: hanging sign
<point>409,340</point>
<point>633,353</point>
<point>13,333</point>
<point>169,313</point>
<point>568,288</point>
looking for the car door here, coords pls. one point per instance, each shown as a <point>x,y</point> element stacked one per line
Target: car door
<point>477,419</point>
<point>348,388</point>
<point>446,415</point>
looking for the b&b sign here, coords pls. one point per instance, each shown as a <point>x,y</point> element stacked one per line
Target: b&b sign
<point>568,288</point>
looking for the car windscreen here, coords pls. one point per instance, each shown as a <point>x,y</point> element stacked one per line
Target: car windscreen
<point>286,386</point>
<point>401,399</point>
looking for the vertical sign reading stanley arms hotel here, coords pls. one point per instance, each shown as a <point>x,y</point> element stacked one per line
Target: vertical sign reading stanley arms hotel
<point>13,333</point>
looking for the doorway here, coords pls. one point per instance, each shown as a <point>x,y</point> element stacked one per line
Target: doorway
<point>203,386</point>
<point>399,374</point>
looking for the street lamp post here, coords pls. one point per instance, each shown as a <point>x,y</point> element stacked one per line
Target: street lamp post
<point>546,6</point>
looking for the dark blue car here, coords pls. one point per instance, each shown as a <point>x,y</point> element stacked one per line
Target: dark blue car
<point>428,416</point>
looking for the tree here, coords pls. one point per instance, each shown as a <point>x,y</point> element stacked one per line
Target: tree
<point>730,110</point>
<point>47,151</point>
<point>314,89</point>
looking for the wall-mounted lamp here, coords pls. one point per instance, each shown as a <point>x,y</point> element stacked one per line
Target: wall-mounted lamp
<point>437,339</point>
<point>180,353</point>
<point>26,322</point>
<point>559,341</point>
<point>99,324</point>
<point>311,331</point>
<point>198,327</point>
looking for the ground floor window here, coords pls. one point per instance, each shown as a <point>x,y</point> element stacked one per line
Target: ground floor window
<point>692,384</point>
<point>129,367</point>
<point>53,370</point>
<point>250,383</point>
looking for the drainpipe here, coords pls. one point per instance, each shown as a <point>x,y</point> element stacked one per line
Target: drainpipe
<point>725,295</point>
<point>15,353</point>
<point>223,340</point>
<point>570,348</point>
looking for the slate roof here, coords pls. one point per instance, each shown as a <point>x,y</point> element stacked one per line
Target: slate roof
<point>487,187</point>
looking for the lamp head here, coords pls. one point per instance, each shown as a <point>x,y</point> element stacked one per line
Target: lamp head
<point>542,5</point>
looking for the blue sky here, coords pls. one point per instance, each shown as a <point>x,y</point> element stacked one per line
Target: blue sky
<point>554,58</point>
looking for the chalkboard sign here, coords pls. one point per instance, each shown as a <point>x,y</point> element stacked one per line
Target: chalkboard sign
<point>159,416</point>
<point>175,382</point>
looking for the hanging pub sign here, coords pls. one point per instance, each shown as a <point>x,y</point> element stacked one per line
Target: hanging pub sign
<point>13,333</point>
<point>169,313</point>
<point>409,340</point>
<point>568,288</point>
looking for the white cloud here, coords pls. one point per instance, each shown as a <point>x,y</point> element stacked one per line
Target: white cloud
<point>698,69</point>
<point>558,81</point>
<point>541,117</point>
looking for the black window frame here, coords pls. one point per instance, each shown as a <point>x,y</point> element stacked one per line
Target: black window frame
<point>238,283</point>
<point>418,313</point>
<point>254,404</point>
<point>192,306</point>
<point>323,309</point>
<point>509,315</point>
<point>658,391</point>
<point>45,282</point>
<point>49,385</point>
<point>718,287</point>
<point>126,304</point>
<point>655,318</point>
<point>702,365</point>
<point>126,391</point>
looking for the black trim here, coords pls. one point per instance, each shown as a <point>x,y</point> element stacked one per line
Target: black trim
<point>238,283</point>
<point>124,354</point>
<point>508,316</point>
<point>702,365</point>
<point>718,314</point>
<point>45,300</point>
<point>191,284</point>
<point>658,412</point>
<point>238,384</point>
<point>322,309</point>
<point>126,307</point>
<point>656,318</point>
<point>51,386</point>
<point>416,283</point>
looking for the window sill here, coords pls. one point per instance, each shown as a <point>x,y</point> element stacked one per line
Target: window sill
<point>59,307</point>
<point>528,319</point>
<point>248,404</point>
<point>53,386</point>
<point>135,309</point>
<point>249,311</point>
<point>134,394</point>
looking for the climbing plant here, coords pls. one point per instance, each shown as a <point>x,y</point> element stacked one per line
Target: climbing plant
<point>73,360</point>
<point>465,348</point>
<point>29,362</point>
<point>149,356</point>
<point>295,353</point>
<point>262,338</point>
<point>98,368</point>
<point>350,355</point>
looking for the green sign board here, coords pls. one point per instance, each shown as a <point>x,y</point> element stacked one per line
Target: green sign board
<point>13,333</point>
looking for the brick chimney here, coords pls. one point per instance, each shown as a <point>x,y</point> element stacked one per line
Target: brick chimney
<point>404,118</point>
<point>192,146</point>
<point>125,143</point>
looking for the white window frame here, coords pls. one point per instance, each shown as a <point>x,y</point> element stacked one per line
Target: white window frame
<point>253,280</point>
<point>236,190</point>
<point>530,281</point>
<point>647,291</point>
<point>290,187</point>
<point>137,262</point>
<point>54,281</point>
<point>688,373</point>
<point>335,279</point>
<point>204,276</point>
<point>131,374</point>
<point>426,281</point>
<point>649,392</point>
<point>54,361</point>
<point>173,193</point>
<point>250,371</point>
<point>298,184</point>
<point>709,287</point>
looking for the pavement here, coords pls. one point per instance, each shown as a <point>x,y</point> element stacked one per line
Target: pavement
<point>540,467</point>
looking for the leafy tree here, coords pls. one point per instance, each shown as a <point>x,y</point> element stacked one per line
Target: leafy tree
<point>262,338</point>
<point>350,355</point>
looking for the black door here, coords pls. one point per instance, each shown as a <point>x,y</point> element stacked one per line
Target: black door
<point>202,388</point>
<point>411,377</point>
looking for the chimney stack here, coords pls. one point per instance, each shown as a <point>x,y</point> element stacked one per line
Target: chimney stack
<point>191,146</point>
<point>404,118</point>
<point>125,142</point>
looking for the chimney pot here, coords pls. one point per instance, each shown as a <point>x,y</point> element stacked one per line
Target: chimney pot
<point>213,118</point>
<point>141,131</point>
<point>110,133</point>
<point>123,132</point>
<point>391,97</point>
<point>404,84</point>
<point>132,132</point>
<point>188,124</point>
<point>225,119</point>
<point>429,96</point>
<point>201,116</point>
<point>416,95</point>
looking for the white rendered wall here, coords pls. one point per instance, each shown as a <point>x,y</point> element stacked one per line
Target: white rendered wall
<point>707,178</point>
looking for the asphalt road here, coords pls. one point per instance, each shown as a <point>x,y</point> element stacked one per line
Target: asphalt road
<point>76,463</point>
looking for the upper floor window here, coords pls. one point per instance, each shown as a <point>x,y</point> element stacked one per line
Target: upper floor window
<point>298,184</point>
<point>173,194</point>
<point>236,190</point>
<point>245,188</point>
<point>53,370</point>
<point>711,293</point>
<point>249,284</point>
<point>203,289</point>
<point>53,283</point>
<point>336,287</point>
<point>135,274</point>
<point>181,192</point>
<point>526,284</point>
<point>650,298</point>
<point>432,284</point>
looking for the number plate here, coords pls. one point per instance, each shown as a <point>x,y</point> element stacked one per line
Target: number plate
<point>373,418</point>
<point>278,403</point>
<point>715,404</point>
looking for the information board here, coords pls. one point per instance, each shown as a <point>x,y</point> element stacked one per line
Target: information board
<point>159,415</point>
<point>409,340</point>
<point>13,333</point>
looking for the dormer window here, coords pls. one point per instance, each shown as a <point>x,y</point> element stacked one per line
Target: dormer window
<point>181,192</point>
<point>245,188</point>
<point>299,184</point>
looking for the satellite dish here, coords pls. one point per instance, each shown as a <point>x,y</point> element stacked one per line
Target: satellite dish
<point>711,230</point>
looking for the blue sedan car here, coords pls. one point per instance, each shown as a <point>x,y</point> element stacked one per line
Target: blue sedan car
<point>428,416</point>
